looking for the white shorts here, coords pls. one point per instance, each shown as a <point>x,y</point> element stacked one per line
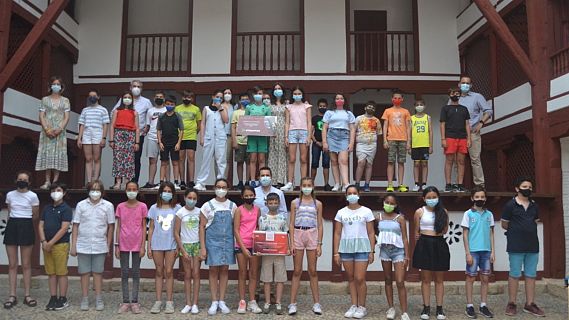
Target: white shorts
<point>92,136</point>
<point>152,149</point>
<point>365,151</point>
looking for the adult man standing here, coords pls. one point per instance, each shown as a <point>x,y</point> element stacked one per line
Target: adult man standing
<point>480,112</point>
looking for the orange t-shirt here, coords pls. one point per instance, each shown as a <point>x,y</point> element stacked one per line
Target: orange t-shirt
<point>398,122</point>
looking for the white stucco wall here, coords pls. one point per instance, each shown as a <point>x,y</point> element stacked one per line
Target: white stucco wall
<point>165,16</point>
<point>268,15</point>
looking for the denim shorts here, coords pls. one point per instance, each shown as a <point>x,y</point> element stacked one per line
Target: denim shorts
<point>480,261</point>
<point>297,136</point>
<point>354,257</point>
<point>316,152</point>
<point>389,252</point>
<point>529,262</point>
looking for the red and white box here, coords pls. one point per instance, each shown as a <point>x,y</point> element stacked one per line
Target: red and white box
<point>270,243</point>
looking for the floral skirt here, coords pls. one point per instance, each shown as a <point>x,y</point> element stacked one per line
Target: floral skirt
<point>123,154</point>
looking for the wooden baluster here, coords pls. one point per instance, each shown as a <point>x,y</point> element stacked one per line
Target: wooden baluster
<point>174,39</point>
<point>249,37</point>
<point>399,52</point>
<point>271,51</point>
<point>293,40</point>
<point>181,51</point>
<point>131,54</point>
<point>264,52</point>
<point>279,52</point>
<point>257,52</point>
<point>146,53</point>
<point>286,53</point>
<point>366,53</point>
<point>166,55</point>
<point>139,55</point>
<point>242,52</point>
<point>406,54</point>
<point>159,53</point>
<point>392,53</point>
<point>357,53</point>
<point>153,50</point>
<point>378,50</point>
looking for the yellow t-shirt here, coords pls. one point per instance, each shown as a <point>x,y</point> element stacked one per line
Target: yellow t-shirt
<point>242,140</point>
<point>190,116</point>
<point>420,131</point>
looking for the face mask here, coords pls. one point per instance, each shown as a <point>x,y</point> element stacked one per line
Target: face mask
<point>464,87</point>
<point>186,101</point>
<point>213,108</point>
<point>278,93</point>
<point>322,110</point>
<point>92,99</point>
<point>159,101</point>
<point>169,108</point>
<point>55,88</point>
<point>245,102</point>
<point>370,111</point>
<point>191,203</point>
<point>216,100</point>
<point>454,98</point>
<point>340,103</point>
<point>352,198</point>
<point>388,208</point>
<point>265,181</point>
<point>267,102</point>
<point>131,195</point>
<point>136,91</point>
<point>479,203</point>
<point>525,192</point>
<point>431,203</point>
<point>227,97</point>
<point>22,184</point>
<point>297,97</point>
<point>396,101</point>
<point>249,200</point>
<point>127,101</point>
<point>166,196</point>
<point>273,207</point>
<point>419,108</point>
<point>56,195</point>
<point>258,97</point>
<point>220,193</point>
<point>95,195</point>
<point>306,191</point>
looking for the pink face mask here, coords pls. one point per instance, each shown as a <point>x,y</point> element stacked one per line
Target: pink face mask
<point>396,101</point>
<point>340,103</point>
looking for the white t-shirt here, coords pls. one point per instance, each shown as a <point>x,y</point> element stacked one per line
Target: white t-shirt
<point>189,231</point>
<point>218,206</point>
<point>152,120</point>
<point>21,203</point>
<point>354,229</point>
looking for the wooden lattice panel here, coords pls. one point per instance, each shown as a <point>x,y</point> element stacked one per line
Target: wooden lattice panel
<point>491,169</point>
<point>476,62</point>
<point>510,73</point>
<point>520,159</point>
<point>29,79</point>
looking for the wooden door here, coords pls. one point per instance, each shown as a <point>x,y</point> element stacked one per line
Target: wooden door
<point>380,161</point>
<point>370,47</point>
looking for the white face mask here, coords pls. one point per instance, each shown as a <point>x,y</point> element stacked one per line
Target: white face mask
<point>136,91</point>
<point>127,101</point>
<point>131,194</point>
<point>56,195</point>
<point>220,193</point>
<point>95,195</point>
<point>227,97</point>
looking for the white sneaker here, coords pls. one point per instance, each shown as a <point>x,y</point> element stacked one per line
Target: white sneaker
<point>360,313</point>
<point>287,187</point>
<point>186,309</point>
<point>223,307</point>
<point>242,307</point>
<point>317,308</point>
<point>292,309</point>
<point>416,188</point>
<point>195,309</point>
<point>156,187</point>
<point>337,187</point>
<point>254,307</point>
<point>199,187</point>
<point>405,316</point>
<point>177,187</point>
<point>344,188</point>
<point>350,313</point>
<point>390,314</point>
<point>213,308</point>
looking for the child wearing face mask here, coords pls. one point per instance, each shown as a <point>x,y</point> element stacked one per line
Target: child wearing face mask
<point>192,119</point>
<point>257,146</point>
<point>316,147</point>
<point>92,240</point>
<point>239,143</point>
<point>170,128</point>
<point>54,236</point>
<point>368,128</point>
<point>130,240</point>
<point>421,144</point>
<point>396,140</point>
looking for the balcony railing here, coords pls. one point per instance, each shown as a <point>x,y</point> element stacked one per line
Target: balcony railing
<point>381,52</point>
<point>560,62</point>
<point>152,53</point>
<point>267,52</point>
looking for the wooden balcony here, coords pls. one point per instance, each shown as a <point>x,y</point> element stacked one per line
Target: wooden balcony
<point>381,52</point>
<point>560,62</point>
<point>151,54</point>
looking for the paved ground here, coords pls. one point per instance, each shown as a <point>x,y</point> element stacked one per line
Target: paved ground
<point>334,301</point>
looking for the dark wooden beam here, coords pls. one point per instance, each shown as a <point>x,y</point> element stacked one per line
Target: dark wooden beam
<point>33,39</point>
<point>503,32</point>
<point>5,18</point>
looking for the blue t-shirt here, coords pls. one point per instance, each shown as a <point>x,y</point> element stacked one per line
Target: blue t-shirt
<point>339,119</point>
<point>163,235</point>
<point>479,225</point>
<point>53,217</point>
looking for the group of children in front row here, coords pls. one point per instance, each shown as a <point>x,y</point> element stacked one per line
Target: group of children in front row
<point>220,231</point>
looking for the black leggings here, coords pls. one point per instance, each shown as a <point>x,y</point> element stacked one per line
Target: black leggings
<point>135,276</point>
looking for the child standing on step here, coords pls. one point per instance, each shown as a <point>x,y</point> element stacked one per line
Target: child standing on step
<point>421,144</point>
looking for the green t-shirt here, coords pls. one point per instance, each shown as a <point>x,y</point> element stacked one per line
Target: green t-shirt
<point>190,116</point>
<point>242,140</point>
<point>255,110</point>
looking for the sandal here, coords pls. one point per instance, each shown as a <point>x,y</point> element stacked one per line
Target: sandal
<point>30,302</point>
<point>11,302</point>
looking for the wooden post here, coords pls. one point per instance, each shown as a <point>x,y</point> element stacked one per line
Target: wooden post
<point>5,15</point>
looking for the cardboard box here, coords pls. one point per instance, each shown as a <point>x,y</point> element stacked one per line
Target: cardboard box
<point>270,243</point>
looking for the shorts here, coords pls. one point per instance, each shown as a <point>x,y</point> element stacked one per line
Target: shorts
<point>273,269</point>
<point>19,232</point>
<point>90,263</point>
<point>480,260</point>
<point>456,145</point>
<point>229,149</point>
<point>366,151</point>
<point>397,149</point>
<point>152,149</point>
<point>355,257</point>
<point>257,144</point>
<point>316,152</point>
<point>305,239</point>
<point>529,262</point>
<point>169,153</point>
<point>389,252</point>
<point>338,140</point>
<point>55,262</point>
<point>92,135</point>
<point>241,153</point>
<point>238,250</point>
<point>297,136</point>
<point>192,249</point>
<point>189,145</point>
<point>431,253</point>
<point>420,154</point>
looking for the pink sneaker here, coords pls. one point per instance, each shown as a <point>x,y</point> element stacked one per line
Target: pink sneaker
<point>124,308</point>
<point>135,308</point>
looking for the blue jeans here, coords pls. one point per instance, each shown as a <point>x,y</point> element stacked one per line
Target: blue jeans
<point>529,262</point>
<point>316,152</point>
<point>480,260</point>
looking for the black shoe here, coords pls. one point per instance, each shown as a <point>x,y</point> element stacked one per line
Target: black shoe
<point>148,185</point>
<point>190,185</point>
<point>440,314</point>
<point>455,188</point>
<point>61,303</point>
<point>449,188</point>
<point>486,312</point>
<point>51,304</point>
<point>426,313</point>
<point>470,312</point>
<point>327,187</point>
<point>460,188</point>
<point>239,186</point>
<point>183,185</point>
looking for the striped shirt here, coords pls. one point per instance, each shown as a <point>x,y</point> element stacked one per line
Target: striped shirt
<point>306,214</point>
<point>94,117</point>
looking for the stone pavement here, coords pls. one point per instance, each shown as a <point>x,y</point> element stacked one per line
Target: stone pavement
<point>551,296</point>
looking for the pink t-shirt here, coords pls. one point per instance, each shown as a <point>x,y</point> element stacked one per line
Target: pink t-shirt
<point>131,226</point>
<point>297,114</point>
<point>248,225</point>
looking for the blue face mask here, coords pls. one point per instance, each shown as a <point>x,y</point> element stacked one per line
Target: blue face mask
<point>191,203</point>
<point>170,108</point>
<point>166,196</point>
<point>278,93</point>
<point>297,97</point>
<point>265,181</point>
<point>216,100</point>
<point>464,87</point>
<point>258,97</point>
<point>352,198</point>
<point>245,102</point>
<point>267,102</point>
<point>431,203</point>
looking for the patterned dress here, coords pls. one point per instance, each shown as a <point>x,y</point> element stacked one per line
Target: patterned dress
<point>278,155</point>
<point>52,152</point>
<point>123,153</point>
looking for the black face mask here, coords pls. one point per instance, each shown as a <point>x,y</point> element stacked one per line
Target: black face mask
<point>525,192</point>
<point>454,98</point>
<point>22,184</point>
<point>186,101</point>
<point>322,110</point>
<point>249,200</point>
<point>159,101</point>
<point>213,108</point>
<point>479,203</point>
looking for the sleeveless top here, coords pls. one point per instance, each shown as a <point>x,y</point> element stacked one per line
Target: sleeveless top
<point>420,131</point>
<point>214,126</point>
<point>247,225</point>
<point>389,232</point>
<point>427,222</point>
<point>306,214</point>
<point>125,120</point>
